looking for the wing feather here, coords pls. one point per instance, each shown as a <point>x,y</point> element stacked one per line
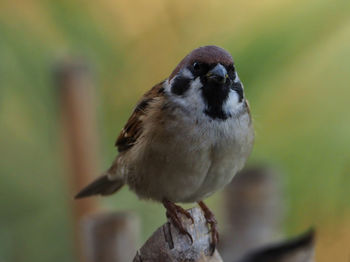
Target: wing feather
<point>133,127</point>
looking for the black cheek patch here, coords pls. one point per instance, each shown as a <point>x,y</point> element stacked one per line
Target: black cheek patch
<point>180,85</point>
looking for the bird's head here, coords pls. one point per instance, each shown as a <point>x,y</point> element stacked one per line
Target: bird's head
<point>206,80</point>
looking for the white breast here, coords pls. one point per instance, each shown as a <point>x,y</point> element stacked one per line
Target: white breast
<point>229,151</point>
<point>188,157</point>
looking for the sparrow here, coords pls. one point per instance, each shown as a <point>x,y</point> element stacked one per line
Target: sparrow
<point>186,138</point>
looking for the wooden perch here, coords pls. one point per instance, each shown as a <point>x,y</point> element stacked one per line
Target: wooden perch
<point>110,237</point>
<point>167,244</point>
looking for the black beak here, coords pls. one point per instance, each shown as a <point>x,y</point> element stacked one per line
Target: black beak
<point>218,74</point>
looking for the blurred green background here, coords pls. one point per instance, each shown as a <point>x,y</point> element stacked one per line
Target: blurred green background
<point>292,56</point>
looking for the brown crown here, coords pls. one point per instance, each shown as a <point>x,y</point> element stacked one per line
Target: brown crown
<point>210,54</point>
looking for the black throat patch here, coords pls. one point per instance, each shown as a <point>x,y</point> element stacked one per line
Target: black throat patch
<point>215,95</point>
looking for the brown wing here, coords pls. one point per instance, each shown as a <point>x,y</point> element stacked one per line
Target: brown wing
<point>133,128</point>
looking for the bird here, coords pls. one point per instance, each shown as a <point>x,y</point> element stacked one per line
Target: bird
<point>186,138</point>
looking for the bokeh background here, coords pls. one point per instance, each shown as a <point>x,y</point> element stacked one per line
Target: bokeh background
<point>292,56</point>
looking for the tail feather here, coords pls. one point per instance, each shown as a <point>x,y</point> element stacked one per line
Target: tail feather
<point>101,186</point>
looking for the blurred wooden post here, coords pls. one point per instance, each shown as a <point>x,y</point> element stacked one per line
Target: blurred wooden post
<point>77,106</point>
<point>110,237</point>
<point>253,205</point>
<point>167,244</point>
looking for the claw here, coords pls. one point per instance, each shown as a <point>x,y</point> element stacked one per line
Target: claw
<point>209,216</point>
<point>172,213</point>
<point>185,212</point>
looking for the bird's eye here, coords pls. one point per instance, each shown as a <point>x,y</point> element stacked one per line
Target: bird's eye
<point>196,66</point>
<point>199,68</point>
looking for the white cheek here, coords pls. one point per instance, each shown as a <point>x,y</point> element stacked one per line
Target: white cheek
<point>187,73</point>
<point>192,98</point>
<point>237,78</point>
<point>167,85</point>
<point>232,103</point>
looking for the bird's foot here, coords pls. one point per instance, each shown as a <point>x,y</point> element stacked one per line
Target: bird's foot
<point>173,211</point>
<point>209,216</point>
